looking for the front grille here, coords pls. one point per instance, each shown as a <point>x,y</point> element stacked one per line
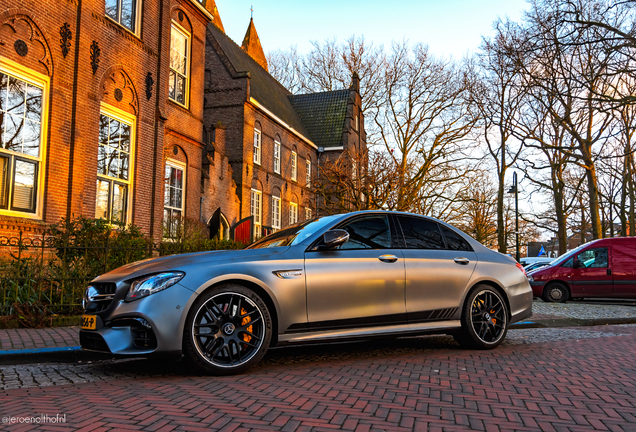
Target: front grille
<point>102,297</point>
<point>93,341</point>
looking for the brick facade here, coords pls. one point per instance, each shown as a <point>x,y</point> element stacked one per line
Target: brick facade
<point>110,127</point>
<point>80,85</point>
<point>241,95</point>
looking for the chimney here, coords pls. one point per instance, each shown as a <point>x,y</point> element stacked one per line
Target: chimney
<point>355,82</point>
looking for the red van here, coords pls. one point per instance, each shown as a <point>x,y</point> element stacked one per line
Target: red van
<point>601,268</point>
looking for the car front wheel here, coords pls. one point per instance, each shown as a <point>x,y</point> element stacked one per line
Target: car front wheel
<point>484,319</point>
<point>228,330</point>
<point>556,293</point>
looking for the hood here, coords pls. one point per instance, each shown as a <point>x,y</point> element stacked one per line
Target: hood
<point>183,261</point>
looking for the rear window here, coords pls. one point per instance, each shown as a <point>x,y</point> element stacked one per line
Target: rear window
<point>454,241</point>
<point>421,233</point>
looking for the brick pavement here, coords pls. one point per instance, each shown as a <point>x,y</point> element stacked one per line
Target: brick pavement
<point>568,385</point>
<point>53,337</point>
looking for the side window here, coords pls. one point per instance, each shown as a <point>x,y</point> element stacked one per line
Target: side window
<point>454,241</point>
<point>370,232</point>
<point>420,233</point>
<point>594,258</point>
<point>569,263</point>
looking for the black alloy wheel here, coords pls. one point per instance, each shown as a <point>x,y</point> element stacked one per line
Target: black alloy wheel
<point>556,293</point>
<point>484,319</point>
<point>228,330</point>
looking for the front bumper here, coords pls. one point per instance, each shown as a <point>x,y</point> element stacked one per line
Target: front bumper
<point>537,288</point>
<point>151,326</point>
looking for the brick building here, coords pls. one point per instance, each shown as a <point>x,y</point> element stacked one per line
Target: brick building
<point>102,114</point>
<point>273,140</point>
<point>98,100</point>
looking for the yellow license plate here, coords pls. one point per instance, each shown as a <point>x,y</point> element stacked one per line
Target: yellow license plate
<point>89,322</point>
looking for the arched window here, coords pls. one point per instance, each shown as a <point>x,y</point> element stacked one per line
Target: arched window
<point>277,154</point>
<point>179,79</point>
<point>257,144</point>
<point>23,115</point>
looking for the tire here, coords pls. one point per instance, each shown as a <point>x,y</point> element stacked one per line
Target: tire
<point>228,330</point>
<point>556,293</point>
<point>484,319</point>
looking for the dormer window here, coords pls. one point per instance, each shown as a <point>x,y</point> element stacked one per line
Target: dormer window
<point>125,12</point>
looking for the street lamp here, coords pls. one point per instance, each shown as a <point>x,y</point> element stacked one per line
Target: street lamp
<point>515,190</point>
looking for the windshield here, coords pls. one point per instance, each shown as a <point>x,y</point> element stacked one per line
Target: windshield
<point>563,258</point>
<point>294,234</point>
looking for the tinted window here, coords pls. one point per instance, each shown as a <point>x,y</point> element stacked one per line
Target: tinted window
<point>594,258</point>
<point>454,241</point>
<point>294,234</point>
<point>421,233</point>
<point>371,232</point>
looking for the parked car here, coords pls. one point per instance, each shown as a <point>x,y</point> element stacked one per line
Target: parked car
<point>535,265</point>
<point>526,261</point>
<point>601,268</point>
<point>340,277</point>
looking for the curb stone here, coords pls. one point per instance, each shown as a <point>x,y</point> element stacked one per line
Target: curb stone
<point>76,354</point>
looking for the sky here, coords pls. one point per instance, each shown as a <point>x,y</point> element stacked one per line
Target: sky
<point>450,27</point>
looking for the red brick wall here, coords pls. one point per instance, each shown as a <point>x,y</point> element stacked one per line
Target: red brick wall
<point>124,63</point>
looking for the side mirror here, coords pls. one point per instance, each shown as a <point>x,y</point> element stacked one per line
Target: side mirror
<point>335,238</point>
<point>578,263</point>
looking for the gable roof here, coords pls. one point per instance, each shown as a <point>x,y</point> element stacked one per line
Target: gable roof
<point>323,114</point>
<point>263,87</point>
<point>319,117</point>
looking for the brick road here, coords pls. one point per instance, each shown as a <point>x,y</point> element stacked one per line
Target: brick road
<point>584,381</point>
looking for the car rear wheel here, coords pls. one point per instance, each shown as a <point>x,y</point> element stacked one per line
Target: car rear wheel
<point>484,319</point>
<point>228,330</point>
<point>556,293</point>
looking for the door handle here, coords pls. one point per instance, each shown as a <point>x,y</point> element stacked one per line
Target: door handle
<point>609,272</point>
<point>388,258</point>
<point>462,260</point>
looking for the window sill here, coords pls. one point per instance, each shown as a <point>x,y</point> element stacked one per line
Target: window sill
<point>124,28</point>
<point>178,104</point>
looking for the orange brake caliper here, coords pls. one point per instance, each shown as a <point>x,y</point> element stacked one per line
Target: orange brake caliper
<point>246,320</point>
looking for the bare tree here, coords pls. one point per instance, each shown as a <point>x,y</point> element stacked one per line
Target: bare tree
<point>285,66</point>
<point>499,97</point>
<point>565,63</point>
<point>424,121</point>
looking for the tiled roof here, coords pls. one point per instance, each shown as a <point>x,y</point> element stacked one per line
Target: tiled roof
<point>323,114</point>
<point>263,87</point>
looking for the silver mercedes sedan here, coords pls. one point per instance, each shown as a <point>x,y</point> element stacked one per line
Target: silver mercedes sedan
<point>348,276</point>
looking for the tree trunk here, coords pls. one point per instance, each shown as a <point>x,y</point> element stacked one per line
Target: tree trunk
<point>561,221</point>
<point>632,195</point>
<point>623,211</point>
<point>592,186</point>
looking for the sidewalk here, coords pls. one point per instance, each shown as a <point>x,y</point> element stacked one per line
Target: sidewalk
<point>39,344</point>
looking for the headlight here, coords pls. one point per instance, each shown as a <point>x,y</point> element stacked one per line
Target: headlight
<point>530,279</point>
<point>152,284</point>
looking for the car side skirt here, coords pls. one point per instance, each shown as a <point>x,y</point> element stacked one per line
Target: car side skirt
<point>354,333</point>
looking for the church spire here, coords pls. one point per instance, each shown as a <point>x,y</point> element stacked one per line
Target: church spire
<point>252,45</point>
<point>211,7</point>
